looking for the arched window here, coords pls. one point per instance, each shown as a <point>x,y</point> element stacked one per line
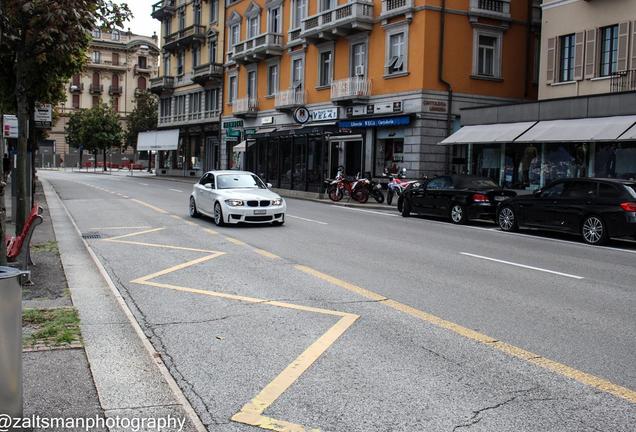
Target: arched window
<point>141,83</point>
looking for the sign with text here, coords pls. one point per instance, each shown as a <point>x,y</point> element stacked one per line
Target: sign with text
<point>324,114</point>
<point>376,122</point>
<point>9,126</point>
<point>43,116</point>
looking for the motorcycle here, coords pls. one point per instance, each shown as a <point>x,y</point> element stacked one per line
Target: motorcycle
<point>355,187</point>
<point>375,190</point>
<point>396,185</point>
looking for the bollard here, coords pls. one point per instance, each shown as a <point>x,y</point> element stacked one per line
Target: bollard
<point>10,341</point>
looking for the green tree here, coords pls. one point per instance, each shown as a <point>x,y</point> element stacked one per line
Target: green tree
<point>101,130</point>
<point>75,132</point>
<point>42,44</point>
<point>144,117</point>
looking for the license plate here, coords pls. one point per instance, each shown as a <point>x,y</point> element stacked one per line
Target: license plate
<point>500,198</point>
<point>260,212</point>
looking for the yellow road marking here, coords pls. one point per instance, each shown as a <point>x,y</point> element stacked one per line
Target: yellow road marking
<point>150,206</point>
<point>535,359</point>
<point>235,241</point>
<point>252,412</point>
<point>265,253</point>
<point>175,217</point>
<point>135,234</point>
<point>118,228</point>
<point>210,231</point>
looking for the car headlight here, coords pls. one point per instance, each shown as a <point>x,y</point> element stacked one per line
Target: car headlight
<point>277,202</point>
<point>234,203</point>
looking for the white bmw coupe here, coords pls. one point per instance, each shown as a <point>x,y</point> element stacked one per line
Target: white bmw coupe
<point>232,197</point>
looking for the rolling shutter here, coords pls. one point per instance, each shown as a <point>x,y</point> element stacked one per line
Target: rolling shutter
<point>623,44</point>
<point>551,60</point>
<point>590,53</point>
<point>579,48</point>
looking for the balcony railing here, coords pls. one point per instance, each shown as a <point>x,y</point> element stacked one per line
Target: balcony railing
<point>391,8</point>
<point>76,88</point>
<point>185,37</point>
<point>623,81</point>
<point>294,38</point>
<point>115,90</point>
<point>163,9</point>
<point>245,107</point>
<point>258,48</point>
<point>343,19</point>
<point>161,84</point>
<point>191,118</point>
<point>288,99</point>
<point>351,89</point>
<point>207,72</point>
<point>491,8</point>
<point>96,89</point>
<point>137,69</point>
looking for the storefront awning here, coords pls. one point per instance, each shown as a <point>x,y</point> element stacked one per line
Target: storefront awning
<point>490,133</point>
<point>629,135</point>
<point>158,140</point>
<point>263,131</point>
<point>583,130</point>
<point>240,147</point>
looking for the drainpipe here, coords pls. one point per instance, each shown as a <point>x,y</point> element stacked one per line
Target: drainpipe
<point>449,87</point>
<point>526,81</point>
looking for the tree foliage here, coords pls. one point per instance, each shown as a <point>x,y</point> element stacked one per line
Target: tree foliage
<point>142,118</point>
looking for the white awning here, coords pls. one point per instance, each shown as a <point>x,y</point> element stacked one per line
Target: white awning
<point>585,129</point>
<point>629,135</point>
<point>158,140</point>
<point>489,133</point>
<point>240,147</point>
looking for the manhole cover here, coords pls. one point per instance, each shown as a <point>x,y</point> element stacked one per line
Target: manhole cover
<point>91,235</point>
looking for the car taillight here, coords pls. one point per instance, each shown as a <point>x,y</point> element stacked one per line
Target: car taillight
<point>629,206</point>
<point>480,198</point>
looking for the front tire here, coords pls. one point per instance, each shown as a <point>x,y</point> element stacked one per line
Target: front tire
<point>458,214</point>
<point>389,197</point>
<point>218,215</point>
<point>507,219</point>
<point>594,231</point>
<point>379,196</point>
<point>335,194</point>
<point>362,196</point>
<point>194,213</point>
<point>406,208</point>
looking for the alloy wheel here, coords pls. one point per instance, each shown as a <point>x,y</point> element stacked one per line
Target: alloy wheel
<point>593,230</point>
<point>506,219</point>
<point>457,214</point>
<point>218,214</point>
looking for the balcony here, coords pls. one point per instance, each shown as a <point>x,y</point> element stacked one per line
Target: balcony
<point>207,72</point>
<point>162,84</point>
<point>287,100</point>
<point>340,21</point>
<point>115,90</point>
<point>499,9</point>
<point>138,70</point>
<point>258,48</point>
<point>245,107</point>
<point>76,88</point>
<point>350,90</point>
<point>163,9</point>
<point>185,37</point>
<point>623,81</point>
<point>95,89</point>
<point>392,8</point>
<point>294,38</point>
<point>190,118</point>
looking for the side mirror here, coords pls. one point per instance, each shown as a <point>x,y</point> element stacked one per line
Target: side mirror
<point>537,193</point>
<point>269,186</point>
<point>208,185</point>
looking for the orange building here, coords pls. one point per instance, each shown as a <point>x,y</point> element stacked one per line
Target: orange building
<point>371,85</point>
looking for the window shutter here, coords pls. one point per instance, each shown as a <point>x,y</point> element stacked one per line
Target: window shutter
<point>633,65</point>
<point>590,53</point>
<point>579,42</point>
<point>623,44</point>
<point>551,60</point>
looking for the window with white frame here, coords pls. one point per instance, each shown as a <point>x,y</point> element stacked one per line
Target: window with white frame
<point>275,21</point>
<point>487,53</point>
<point>212,99</point>
<point>97,33</point>
<point>297,72</point>
<point>166,65</point>
<point>396,53</point>
<point>212,49</point>
<point>232,88</point>
<point>182,18</point>
<point>359,59</point>
<point>96,57</point>
<point>272,79</point>
<point>196,56</point>
<point>180,63</point>
<point>235,35</point>
<point>325,67</point>
<point>197,13</point>
<point>253,26</point>
<point>299,11</point>
<point>115,35</point>
<point>195,103</point>
<point>251,84</point>
<point>167,26</point>
<point>214,11</point>
<point>325,5</point>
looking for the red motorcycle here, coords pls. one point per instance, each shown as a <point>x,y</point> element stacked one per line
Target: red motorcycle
<point>357,188</point>
<point>396,185</point>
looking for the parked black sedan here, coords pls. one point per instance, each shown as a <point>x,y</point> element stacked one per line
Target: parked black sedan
<point>457,197</point>
<point>597,209</point>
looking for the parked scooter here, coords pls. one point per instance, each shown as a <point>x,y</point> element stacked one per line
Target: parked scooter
<point>396,185</point>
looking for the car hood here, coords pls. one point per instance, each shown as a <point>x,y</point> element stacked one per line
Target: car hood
<point>248,194</point>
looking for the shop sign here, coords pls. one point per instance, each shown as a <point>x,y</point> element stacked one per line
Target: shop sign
<point>233,124</point>
<point>231,132</point>
<point>9,126</point>
<point>376,122</point>
<point>301,115</point>
<point>267,120</point>
<point>435,106</point>
<point>324,114</point>
<point>390,107</point>
<point>43,116</point>
<point>251,131</point>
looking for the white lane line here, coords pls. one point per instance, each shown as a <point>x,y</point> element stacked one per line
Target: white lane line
<point>307,220</point>
<point>144,184</point>
<point>176,190</point>
<point>365,211</point>
<point>523,266</point>
<point>120,228</point>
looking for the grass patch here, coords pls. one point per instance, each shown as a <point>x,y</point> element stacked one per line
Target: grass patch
<point>49,246</point>
<point>50,327</point>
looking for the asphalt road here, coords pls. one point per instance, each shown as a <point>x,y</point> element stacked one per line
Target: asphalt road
<point>348,319</point>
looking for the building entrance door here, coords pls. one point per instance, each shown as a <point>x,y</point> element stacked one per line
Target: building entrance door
<point>346,152</point>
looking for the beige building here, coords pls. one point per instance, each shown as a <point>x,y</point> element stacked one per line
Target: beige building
<point>121,64</point>
<point>190,82</point>
<point>588,47</point>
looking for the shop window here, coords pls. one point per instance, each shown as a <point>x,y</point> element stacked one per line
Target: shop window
<point>615,160</point>
<point>389,156</point>
<point>609,50</point>
<point>522,167</point>
<point>565,160</point>
<point>566,62</point>
<point>487,161</point>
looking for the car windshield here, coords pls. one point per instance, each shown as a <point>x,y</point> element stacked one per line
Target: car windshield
<point>475,183</point>
<point>239,181</point>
